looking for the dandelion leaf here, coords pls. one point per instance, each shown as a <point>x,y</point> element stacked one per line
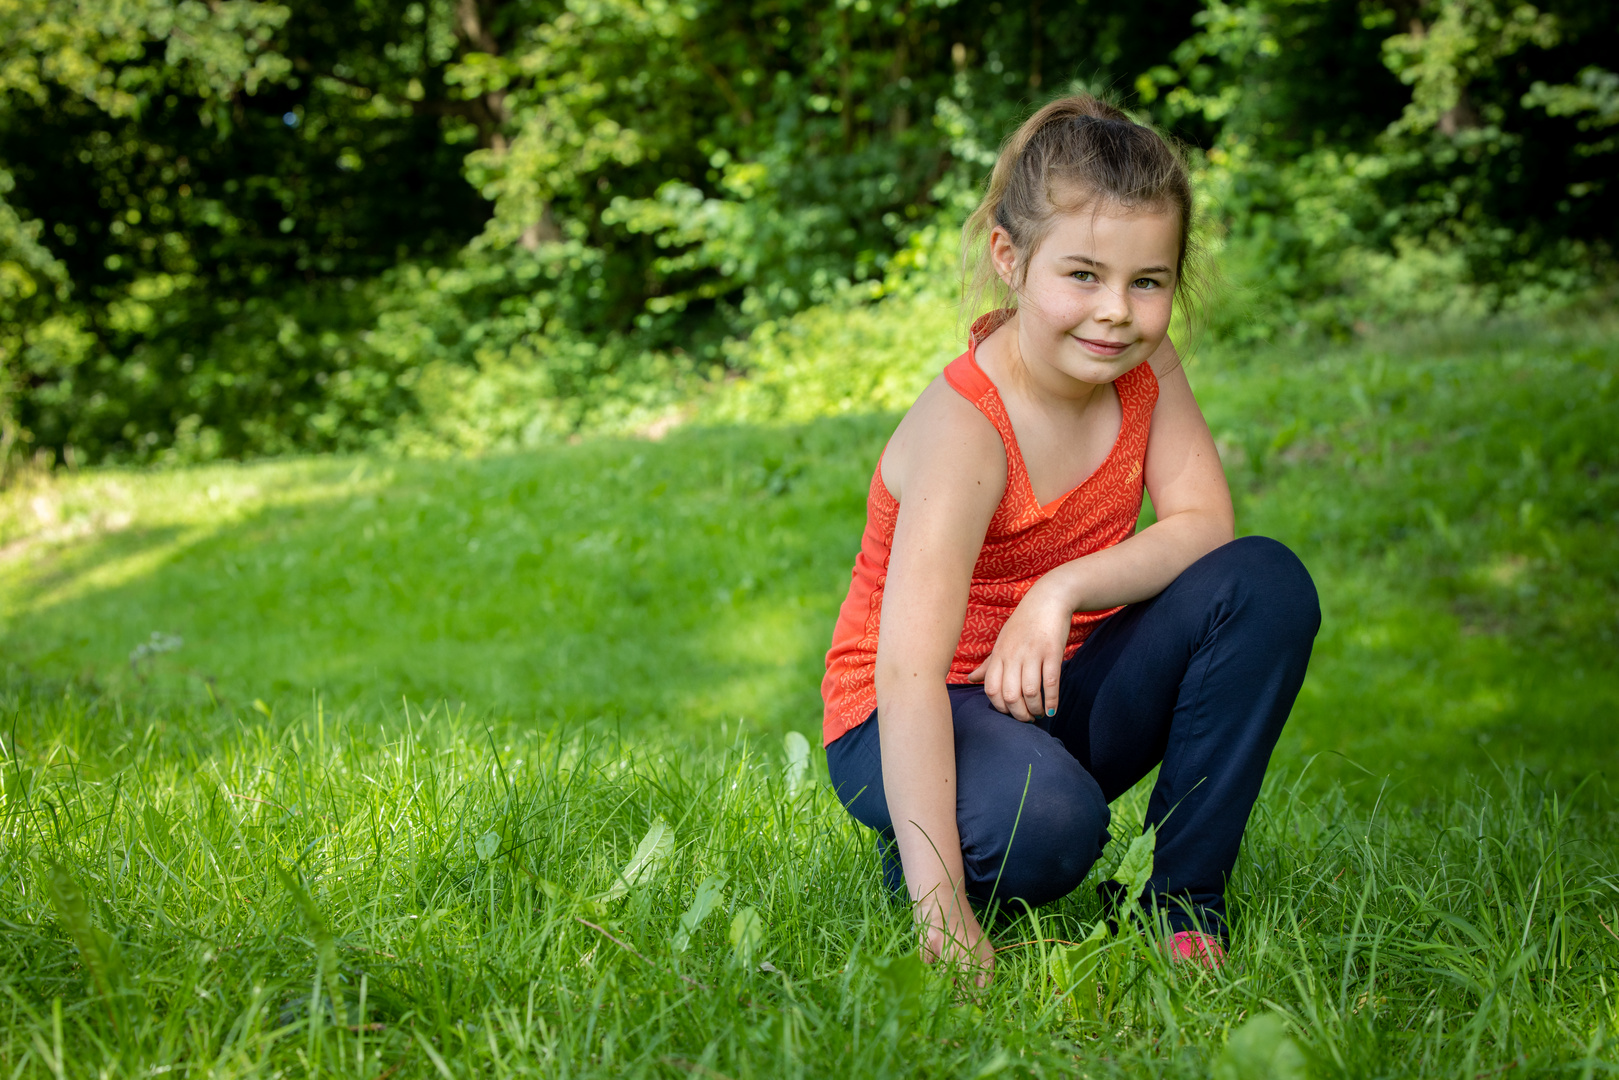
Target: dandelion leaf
<point>747,935</point>
<point>325,944</point>
<point>709,896</point>
<point>656,846</point>
<point>1261,1050</point>
<point>901,978</point>
<point>798,758</point>
<point>97,950</point>
<point>1076,969</point>
<point>999,1063</point>
<point>1135,869</point>
<point>157,828</point>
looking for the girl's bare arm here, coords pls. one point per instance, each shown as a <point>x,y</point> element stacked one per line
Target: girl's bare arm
<point>1189,497</point>
<point>947,467</point>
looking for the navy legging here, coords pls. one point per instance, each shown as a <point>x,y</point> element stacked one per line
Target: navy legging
<point>1200,679</point>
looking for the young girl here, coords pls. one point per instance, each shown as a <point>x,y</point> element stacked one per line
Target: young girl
<point>1013,655</point>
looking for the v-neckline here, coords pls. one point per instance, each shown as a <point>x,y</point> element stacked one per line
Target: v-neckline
<point>1048,509</point>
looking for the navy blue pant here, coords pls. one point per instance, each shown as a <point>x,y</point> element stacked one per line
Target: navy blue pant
<point>1199,679</point>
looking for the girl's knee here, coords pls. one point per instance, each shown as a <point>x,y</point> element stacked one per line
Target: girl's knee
<point>1274,583</point>
<point>1058,838</point>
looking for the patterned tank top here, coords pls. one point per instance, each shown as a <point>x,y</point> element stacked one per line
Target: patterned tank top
<point>1025,540</point>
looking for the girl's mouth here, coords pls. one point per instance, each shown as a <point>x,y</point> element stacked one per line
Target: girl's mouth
<point>1104,348</point>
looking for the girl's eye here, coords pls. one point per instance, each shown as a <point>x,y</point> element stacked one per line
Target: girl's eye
<point>1083,275</point>
<point>1146,283</point>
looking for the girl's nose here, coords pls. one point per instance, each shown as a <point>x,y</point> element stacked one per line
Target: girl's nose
<point>1112,306</point>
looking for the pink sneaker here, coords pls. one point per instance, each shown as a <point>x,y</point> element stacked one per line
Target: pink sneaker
<point>1196,947</point>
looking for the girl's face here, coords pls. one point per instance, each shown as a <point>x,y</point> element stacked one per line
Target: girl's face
<point>1098,293</point>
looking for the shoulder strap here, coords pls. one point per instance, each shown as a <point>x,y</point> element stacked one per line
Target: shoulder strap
<point>1138,391</point>
<point>968,379</point>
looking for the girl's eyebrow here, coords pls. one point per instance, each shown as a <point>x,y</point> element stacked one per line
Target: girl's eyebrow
<point>1088,261</point>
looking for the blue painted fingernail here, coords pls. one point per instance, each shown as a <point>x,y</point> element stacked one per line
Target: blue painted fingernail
<point>1051,712</point>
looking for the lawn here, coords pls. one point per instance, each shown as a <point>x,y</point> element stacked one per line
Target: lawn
<point>337,764</point>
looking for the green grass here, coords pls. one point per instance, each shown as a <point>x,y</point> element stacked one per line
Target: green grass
<point>445,874</point>
<point>1456,494</point>
<point>387,662</point>
<point>660,585</point>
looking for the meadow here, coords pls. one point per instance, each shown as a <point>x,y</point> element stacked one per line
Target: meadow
<point>417,766</point>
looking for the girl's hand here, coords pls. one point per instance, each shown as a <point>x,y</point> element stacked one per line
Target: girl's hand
<point>1021,675</point>
<point>951,935</point>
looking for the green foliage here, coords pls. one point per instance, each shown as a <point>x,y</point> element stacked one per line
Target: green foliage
<point>1092,974</point>
<point>655,847</point>
<point>218,187</point>
<point>1087,973</point>
<point>98,952</point>
<point>901,982</point>
<point>797,751</point>
<point>747,937</point>
<point>326,973</point>
<point>1398,160</point>
<point>248,228</point>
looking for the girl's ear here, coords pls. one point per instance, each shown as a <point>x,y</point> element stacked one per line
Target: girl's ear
<point>1004,255</point>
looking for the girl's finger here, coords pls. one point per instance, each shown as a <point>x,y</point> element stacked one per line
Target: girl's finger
<point>994,670</point>
<point>1001,698</point>
<point>1031,690</point>
<point>1053,670</point>
<point>1013,690</point>
<point>977,673</point>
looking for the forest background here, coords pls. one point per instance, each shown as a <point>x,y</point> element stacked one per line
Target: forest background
<point>239,228</point>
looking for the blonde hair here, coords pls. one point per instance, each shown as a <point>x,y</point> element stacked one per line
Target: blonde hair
<point>1077,151</point>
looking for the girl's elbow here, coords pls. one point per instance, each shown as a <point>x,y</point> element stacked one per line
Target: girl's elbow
<point>892,679</point>
<point>1205,527</point>
<point>900,683</point>
<point>1209,527</point>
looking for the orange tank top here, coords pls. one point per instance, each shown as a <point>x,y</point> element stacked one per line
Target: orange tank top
<point>1025,540</point>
